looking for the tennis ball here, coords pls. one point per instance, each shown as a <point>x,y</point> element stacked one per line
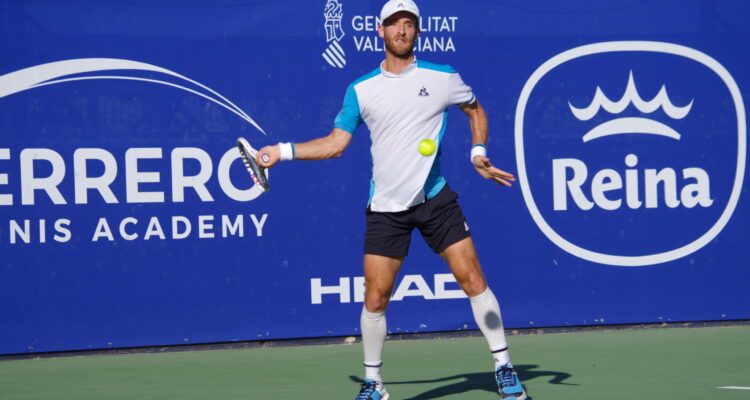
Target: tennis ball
<point>427,147</point>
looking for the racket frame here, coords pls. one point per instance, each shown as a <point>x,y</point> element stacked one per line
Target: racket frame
<point>247,154</point>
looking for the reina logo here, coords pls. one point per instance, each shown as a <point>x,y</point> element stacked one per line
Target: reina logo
<point>690,195</point>
<point>631,182</point>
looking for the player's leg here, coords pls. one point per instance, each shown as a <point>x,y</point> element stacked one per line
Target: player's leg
<point>464,263</point>
<point>380,276</point>
<point>386,244</point>
<point>462,259</point>
<point>445,230</point>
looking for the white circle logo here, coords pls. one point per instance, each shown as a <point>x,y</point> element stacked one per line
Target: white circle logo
<point>631,153</point>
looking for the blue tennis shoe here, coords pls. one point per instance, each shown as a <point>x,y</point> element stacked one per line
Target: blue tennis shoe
<point>372,390</point>
<point>508,385</point>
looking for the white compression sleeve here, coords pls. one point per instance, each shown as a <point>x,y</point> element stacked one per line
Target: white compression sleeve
<point>373,327</point>
<point>487,315</point>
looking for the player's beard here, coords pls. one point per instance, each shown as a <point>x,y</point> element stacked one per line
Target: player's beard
<point>403,51</point>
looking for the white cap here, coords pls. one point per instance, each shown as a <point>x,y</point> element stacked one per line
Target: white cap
<point>394,6</point>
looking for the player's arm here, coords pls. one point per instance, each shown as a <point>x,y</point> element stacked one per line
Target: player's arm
<point>323,148</point>
<point>479,134</point>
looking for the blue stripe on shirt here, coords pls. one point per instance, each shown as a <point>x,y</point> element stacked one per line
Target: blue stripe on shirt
<point>435,180</point>
<point>436,67</point>
<point>349,118</point>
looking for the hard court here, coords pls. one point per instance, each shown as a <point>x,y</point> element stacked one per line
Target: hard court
<point>670,363</point>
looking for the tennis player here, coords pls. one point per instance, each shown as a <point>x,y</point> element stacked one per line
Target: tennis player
<point>404,101</point>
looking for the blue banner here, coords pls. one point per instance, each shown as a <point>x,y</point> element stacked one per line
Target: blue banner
<point>127,218</point>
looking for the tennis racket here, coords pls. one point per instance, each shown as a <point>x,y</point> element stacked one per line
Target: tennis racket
<point>258,173</point>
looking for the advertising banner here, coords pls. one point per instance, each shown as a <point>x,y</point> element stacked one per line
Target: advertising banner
<point>127,218</point>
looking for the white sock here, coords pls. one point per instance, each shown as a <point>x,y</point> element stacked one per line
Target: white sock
<point>373,329</point>
<point>501,357</point>
<point>487,315</point>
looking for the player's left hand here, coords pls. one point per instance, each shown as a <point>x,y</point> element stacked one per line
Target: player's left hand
<point>484,167</point>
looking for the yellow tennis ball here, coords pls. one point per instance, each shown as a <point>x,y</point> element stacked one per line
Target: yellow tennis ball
<point>427,147</point>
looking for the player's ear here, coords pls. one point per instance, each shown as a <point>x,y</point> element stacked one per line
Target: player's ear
<point>381,32</point>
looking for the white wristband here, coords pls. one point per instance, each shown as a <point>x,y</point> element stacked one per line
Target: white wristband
<point>478,150</point>
<point>287,151</point>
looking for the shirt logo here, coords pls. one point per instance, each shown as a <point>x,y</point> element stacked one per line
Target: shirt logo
<point>423,92</point>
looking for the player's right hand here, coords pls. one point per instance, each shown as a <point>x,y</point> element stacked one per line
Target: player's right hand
<point>268,156</point>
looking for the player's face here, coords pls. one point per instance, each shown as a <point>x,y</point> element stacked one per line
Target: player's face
<point>399,35</point>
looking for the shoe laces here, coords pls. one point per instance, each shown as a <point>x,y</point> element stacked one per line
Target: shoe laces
<point>506,376</point>
<point>366,390</point>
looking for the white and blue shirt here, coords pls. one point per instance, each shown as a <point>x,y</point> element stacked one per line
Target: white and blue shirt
<point>401,110</point>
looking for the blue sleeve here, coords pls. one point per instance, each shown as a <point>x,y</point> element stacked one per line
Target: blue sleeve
<point>349,118</point>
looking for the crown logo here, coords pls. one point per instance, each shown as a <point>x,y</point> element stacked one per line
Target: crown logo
<point>631,124</point>
<point>334,54</point>
<point>333,14</point>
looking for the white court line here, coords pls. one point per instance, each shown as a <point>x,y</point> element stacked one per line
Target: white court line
<point>734,387</point>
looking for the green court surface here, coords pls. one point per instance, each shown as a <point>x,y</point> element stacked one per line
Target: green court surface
<point>674,363</point>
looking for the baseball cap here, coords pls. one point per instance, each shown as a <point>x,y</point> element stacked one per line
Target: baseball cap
<point>394,6</point>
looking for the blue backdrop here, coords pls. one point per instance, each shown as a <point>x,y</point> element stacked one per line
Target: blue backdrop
<point>126,219</point>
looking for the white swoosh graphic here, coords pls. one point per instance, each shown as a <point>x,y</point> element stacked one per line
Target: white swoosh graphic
<point>56,72</point>
<point>631,125</point>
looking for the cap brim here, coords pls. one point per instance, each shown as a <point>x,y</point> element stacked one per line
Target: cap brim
<point>401,14</point>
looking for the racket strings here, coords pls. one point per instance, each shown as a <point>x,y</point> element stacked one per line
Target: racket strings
<point>249,165</point>
<point>257,173</point>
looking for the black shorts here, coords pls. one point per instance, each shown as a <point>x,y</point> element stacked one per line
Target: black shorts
<point>439,220</point>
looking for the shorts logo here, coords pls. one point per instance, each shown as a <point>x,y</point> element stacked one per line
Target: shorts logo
<point>646,179</point>
<point>334,54</point>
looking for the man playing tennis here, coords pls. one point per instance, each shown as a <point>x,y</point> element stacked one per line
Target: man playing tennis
<point>403,102</point>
